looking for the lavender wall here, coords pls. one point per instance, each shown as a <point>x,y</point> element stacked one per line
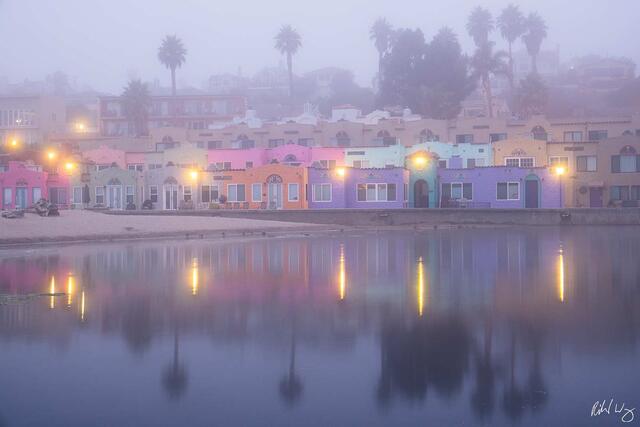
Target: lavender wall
<point>327,176</point>
<point>485,179</point>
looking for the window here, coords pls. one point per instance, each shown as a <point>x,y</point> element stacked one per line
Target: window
<point>464,139</point>
<point>572,136</point>
<point>214,145</point>
<point>321,192</point>
<point>235,193</point>
<point>129,194</point>
<point>328,164</point>
<point>457,191</point>
<point>597,135</point>
<point>625,192</point>
<point>293,191</point>
<point>376,192</point>
<point>247,143</point>
<point>519,162</point>
<point>442,164</point>
<point>135,167</point>
<point>471,163</point>
<point>256,192</point>
<point>102,167</point>
<point>153,193</point>
<point>154,166</point>
<point>248,165</point>
<point>556,161</point>
<point>58,196</point>
<point>508,191</point>
<point>222,165</point>
<point>7,197</point>
<point>361,164</point>
<point>305,142</point>
<point>186,193</point>
<point>100,195</point>
<point>273,143</point>
<point>586,163</point>
<point>624,164</point>
<point>36,194</point>
<point>494,137</point>
<point>205,193</point>
<point>77,195</point>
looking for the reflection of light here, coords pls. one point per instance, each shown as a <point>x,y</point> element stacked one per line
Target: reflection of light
<point>421,286</point>
<point>194,276</point>
<point>561,275</point>
<point>82,306</point>
<point>70,286</point>
<point>342,279</point>
<point>52,290</point>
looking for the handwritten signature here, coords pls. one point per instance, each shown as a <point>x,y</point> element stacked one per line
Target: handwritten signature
<point>608,407</point>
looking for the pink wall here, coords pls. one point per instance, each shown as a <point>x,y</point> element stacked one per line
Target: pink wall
<point>106,156</point>
<point>137,158</point>
<point>238,158</point>
<point>19,175</point>
<point>262,156</point>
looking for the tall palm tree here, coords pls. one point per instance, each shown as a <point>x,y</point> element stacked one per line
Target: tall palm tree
<point>381,33</point>
<point>172,54</point>
<point>485,63</point>
<point>511,24</point>
<point>288,41</point>
<point>136,101</point>
<point>536,32</point>
<point>479,25</point>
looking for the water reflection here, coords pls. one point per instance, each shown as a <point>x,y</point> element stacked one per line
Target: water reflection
<point>480,320</point>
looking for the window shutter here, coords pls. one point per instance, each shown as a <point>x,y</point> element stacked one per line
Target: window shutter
<point>615,164</point>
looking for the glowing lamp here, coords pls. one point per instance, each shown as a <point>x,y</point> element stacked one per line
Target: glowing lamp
<point>560,170</point>
<point>51,155</point>
<point>420,161</point>
<point>193,175</point>
<point>69,166</point>
<point>80,127</point>
<point>14,142</point>
<point>341,172</point>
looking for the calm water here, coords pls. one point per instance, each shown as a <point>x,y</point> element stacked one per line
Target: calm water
<point>439,328</point>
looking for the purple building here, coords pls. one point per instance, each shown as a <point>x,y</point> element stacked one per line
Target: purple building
<point>499,187</point>
<point>358,188</point>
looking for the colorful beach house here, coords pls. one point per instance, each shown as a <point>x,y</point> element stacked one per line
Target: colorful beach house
<point>345,187</point>
<point>499,187</point>
<point>456,156</point>
<point>114,188</point>
<point>22,185</point>
<point>375,157</point>
<point>423,179</point>
<point>290,154</point>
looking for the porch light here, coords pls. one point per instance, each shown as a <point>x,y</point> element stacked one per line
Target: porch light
<point>80,127</point>
<point>420,161</point>
<point>69,166</point>
<point>13,143</point>
<point>51,155</point>
<point>193,175</point>
<point>341,172</point>
<point>560,170</point>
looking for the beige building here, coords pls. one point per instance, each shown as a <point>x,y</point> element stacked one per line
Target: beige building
<point>31,119</point>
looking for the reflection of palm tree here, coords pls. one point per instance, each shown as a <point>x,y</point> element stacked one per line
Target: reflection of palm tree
<point>482,398</point>
<point>290,385</point>
<point>514,399</point>
<point>174,377</point>
<point>536,387</point>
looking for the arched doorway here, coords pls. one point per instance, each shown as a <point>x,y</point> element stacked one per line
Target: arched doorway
<point>421,194</point>
<point>539,133</point>
<point>274,191</point>
<point>532,192</point>
<point>114,194</point>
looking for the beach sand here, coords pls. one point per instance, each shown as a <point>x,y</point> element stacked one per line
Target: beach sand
<point>80,225</point>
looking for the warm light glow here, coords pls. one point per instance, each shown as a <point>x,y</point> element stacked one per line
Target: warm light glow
<point>51,155</point>
<point>82,305</point>
<point>561,275</point>
<point>341,171</point>
<point>14,142</point>
<point>560,170</point>
<point>70,289</point>
<point>69,166</point>
<point>194,276</point>
<point>52,290</point>
<point>420,161</point>
<point>193,175</point>
<point>80,126</point>
<point>342,277</point>
<point>421,286</point>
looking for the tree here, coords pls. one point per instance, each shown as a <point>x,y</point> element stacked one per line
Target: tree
<point>172,54</point>
<point>381,33</point>
<point>536,31</point>
<point>288,41</point>
<point>485,63</point>
<point>511,24</point>
<point>136,101</point>
<point>531,96</point>
<point>479,25</point>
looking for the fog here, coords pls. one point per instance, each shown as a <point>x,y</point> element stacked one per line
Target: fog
<point>103,43</point>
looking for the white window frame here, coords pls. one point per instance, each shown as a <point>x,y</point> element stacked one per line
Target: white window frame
<point>508,199</point>
<point>185,192</point>
<point>321,185</point>
<point>126,193</point>
<point>520,159</point>
<point>377,190</point>
<point>73,195</point>
<point>253,186</point>
<point>151,193</point>
<point>103,195</point>
<point>289,187</point>
<point>588,156</point>
<point>236,191</point>
<point>555,158</point>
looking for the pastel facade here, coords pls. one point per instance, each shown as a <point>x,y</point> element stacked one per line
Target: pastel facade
<point>375,157</point>
<point>356,188</point>
<point>291,154</point>
<point>456,156</point>
<point>21,185</point>
<point>114,188</point>
<point>499,187</point>
<point>423,179</point>
<point>169,187</point>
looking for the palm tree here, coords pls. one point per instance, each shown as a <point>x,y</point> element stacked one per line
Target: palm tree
<point>381,34</point>
<point>485,63</point>
<point>511,24</point>
<point>172,54</point>
<point>479,25</point>
<point>536,31</point>
<point>136,101</point>
<point>288,42</point>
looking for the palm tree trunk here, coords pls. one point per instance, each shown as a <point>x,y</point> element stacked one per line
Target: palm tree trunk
<point>290,71</point>
<point>487,90</point>
<point>173,81</point>
<point>510,67</point>
<point>379,69</point>
<point>534,63</point>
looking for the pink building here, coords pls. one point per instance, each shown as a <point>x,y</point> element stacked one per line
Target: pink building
<point>58,189</point>
<point>104,157</point>
<point>22,185</point>
<point>291,154</point>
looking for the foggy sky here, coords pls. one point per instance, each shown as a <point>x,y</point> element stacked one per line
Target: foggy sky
<point>104,42</point>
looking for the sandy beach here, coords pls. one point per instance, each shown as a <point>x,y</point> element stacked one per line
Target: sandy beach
<point>78,225</point>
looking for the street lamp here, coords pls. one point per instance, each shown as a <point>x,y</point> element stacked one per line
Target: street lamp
<point>560,171</point>
<point>341,172</point>
<point>193,174</point>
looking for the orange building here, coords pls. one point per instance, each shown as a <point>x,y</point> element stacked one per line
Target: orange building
<point>273,186</point>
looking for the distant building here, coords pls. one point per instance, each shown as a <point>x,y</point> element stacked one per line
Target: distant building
<point>601,74</point>
<point>31,119</point>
